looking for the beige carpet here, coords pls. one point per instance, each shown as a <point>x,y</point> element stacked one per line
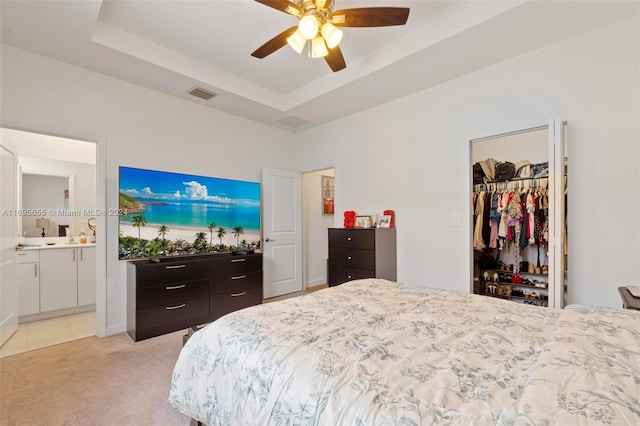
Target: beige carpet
<point>109,381</point>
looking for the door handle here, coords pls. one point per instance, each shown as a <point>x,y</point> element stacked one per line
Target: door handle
<point>266,240</point>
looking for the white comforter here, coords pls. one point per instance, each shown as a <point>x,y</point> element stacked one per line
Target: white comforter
<point>371,352</point>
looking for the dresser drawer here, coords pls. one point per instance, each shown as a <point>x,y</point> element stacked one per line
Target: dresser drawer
<point>356,258</point>
<point>152,322</point>
<point>160,274</point>
<point>341,274</point>
<point>222,304</point>
<point>352,238</point>
<point>236,283</point>
<point>29,256</point>
<point>235,265</point>
<point>171,294</point>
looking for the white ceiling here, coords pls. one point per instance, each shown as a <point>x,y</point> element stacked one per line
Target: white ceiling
<point>174,46</point>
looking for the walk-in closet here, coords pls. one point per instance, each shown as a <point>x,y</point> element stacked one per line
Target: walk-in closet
<point>519,232</point>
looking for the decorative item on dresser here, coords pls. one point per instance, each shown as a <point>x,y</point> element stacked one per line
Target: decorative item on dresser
<point>361,253</point>
<point>172,293</point>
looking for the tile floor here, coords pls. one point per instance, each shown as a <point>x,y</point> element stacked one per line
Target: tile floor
<point>49,332</point>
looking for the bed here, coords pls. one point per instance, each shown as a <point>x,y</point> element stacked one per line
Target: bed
<point>375,352</point>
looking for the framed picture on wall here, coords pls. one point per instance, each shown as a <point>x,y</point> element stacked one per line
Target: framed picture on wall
<point>327,194</point>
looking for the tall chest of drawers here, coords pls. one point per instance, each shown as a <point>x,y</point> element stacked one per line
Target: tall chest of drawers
<point>361,253</point>
<point>172,294</point>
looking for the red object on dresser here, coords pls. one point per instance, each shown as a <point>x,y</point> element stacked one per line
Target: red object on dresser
<point>349,219</point>
<point>392,222</point>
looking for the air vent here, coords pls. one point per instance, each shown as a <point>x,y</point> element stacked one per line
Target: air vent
<point>199,92</point>
<point>293,121</point>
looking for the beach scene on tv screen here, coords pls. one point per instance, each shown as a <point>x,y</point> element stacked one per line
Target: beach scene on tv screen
<point>164,213</point>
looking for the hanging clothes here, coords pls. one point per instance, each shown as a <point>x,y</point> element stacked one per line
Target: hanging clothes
<point>478,244</point>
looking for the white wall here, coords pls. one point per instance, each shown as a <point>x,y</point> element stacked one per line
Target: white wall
<point>141,128</point>
<point>315,228</point>
<point>412,155</point>
<point>532,146</point>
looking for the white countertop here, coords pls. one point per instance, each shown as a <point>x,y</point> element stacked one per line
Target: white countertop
<point>46,246</point>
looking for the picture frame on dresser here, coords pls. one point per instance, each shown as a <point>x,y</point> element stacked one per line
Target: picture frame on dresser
<point>385,221</point>
<point>363,222</point>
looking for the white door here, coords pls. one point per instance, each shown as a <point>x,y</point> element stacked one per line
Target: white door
<point>556,213</point>
<point>8,234</point>
<point>282,231</point>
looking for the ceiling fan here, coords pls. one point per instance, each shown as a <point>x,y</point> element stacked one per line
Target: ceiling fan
<point>318,25</point>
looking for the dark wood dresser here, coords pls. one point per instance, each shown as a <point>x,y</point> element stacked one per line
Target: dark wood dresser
<point>171,294</point>
<point>361,253</point>
<point>236,282</point>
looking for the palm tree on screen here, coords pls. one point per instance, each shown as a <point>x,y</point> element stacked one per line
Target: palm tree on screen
<point>212,227</point>
<point>237,231</point>
<point>162,231</point>
<point>139,221</point>
<point>221,233</point>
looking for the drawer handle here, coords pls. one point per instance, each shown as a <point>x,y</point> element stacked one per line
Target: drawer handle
<point>349,276</point>
<point>239,277</point>
<point>348,257</point>
<point>238,294</point>
<point>169,308</point>
<point>176,266</point>
<point>348,238</point>
<point>238,260</point>
<point>175,287</point>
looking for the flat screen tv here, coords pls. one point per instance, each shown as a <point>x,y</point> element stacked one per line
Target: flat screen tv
<point>163,214</point>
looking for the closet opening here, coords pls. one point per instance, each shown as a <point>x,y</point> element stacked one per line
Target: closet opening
<point>519,238</point>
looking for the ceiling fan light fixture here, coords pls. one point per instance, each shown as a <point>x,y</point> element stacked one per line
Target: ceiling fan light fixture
<point>309,26</point>
<point>331,34</point>
<point>318,48</point>
<point>297,41</point>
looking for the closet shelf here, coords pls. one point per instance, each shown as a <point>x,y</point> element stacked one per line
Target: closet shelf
<point>515,285</point>
<point>502,296</point>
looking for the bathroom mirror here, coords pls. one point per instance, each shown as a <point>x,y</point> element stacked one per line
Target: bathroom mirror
<point>45,196</point>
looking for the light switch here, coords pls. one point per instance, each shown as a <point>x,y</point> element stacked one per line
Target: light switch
<point>455,220</point>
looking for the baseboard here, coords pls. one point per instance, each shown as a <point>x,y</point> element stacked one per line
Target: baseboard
<point>57,313</point>
<point>116,329</point>
<point>316,282</point>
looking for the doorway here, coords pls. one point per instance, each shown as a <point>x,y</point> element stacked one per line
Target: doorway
<point>66,170</point>
<point>519,235</point>
<point>318,194</point>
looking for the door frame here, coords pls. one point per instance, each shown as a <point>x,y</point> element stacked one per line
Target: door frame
<point>101,205</point>
<point>304,234</point>
<point>556,130</point>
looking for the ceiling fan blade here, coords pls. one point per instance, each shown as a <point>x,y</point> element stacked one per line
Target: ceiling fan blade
<point>335,59</point>
<point>274,44</point>
<point>370,17</point>
<point>283,6</point>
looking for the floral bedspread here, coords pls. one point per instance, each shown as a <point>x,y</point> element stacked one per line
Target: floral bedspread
<point>372,352</point>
